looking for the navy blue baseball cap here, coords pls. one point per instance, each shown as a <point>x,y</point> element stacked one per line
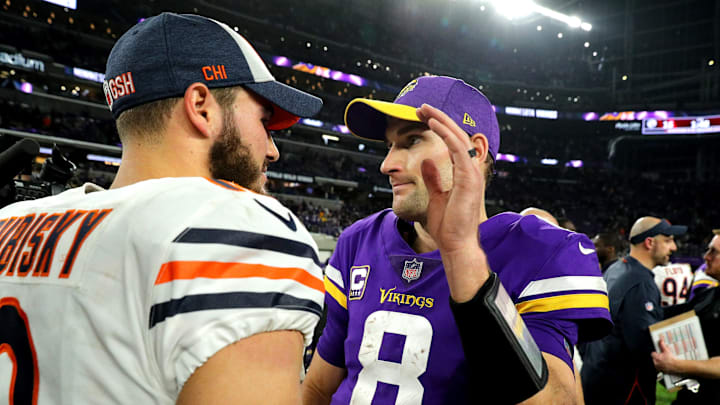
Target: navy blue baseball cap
<point>662,228</point>
<point>163,55</point>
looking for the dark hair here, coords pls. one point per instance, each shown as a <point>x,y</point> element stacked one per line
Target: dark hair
<point>489,170</point>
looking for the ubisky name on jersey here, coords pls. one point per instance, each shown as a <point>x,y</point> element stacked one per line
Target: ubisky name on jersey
<point>118,296</point>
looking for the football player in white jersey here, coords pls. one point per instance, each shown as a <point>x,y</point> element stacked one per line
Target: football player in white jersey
<point>183,283</point>
<point>674,281</point>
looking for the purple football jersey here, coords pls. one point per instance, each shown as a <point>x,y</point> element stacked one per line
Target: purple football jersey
<point>389,320</point>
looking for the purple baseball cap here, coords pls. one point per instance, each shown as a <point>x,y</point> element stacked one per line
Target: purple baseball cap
<point>464,104</point>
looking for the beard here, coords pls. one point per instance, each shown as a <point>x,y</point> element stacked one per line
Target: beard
<point>601,255</point>
<point>413,206</point>
<point>660,259</point>
<point>231,160</point>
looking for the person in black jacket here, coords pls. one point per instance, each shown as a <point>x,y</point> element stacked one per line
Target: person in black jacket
<point>608,246</point>
<point>618,369</point>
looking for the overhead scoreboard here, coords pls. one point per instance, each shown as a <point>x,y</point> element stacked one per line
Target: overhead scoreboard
<point>681,125</point>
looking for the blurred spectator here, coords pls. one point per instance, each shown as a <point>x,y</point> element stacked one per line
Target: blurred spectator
<point>707,307</point>
<point>608,246</point>
<point>702,280</point>
<point>566,223</point>
<point>540,213</point>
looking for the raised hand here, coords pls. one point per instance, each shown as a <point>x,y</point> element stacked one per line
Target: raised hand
<point>453,216</point>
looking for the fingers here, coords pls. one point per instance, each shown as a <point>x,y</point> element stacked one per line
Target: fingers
<point>455,138</point>
<point>426,112</point>
<point>663,347</point>
<point>431,176</point>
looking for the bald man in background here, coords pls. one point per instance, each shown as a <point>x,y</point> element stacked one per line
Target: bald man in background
<point>618,369</point>
<point>540,213</point>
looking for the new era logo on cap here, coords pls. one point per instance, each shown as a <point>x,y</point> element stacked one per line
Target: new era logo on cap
<point>467,120</point>
<point>162,56</point>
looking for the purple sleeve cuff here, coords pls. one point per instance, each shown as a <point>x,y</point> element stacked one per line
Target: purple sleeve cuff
<point>331,343</point>
<point>556,337</point>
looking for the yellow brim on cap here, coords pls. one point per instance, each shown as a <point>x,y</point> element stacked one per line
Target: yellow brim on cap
<point>367,118</point>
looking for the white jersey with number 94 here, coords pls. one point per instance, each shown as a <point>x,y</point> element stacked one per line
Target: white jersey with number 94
<point>674,282</point>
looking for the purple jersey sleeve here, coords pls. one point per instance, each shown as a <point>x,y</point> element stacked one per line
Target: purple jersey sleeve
<point>553,336</point>
<point>330,345</point>
<point>570,297</point>
<point>555,282</point>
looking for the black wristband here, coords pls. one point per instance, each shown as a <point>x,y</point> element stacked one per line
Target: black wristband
<point>499,349</point>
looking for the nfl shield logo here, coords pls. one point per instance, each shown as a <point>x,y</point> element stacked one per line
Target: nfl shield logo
<point>412,270</point>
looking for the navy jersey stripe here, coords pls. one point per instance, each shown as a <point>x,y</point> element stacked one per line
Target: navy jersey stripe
<point>248,239</point>
<point>235,300</point>
<point>222,183</point>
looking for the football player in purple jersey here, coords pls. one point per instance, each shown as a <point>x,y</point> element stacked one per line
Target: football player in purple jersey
<point>409,289</point>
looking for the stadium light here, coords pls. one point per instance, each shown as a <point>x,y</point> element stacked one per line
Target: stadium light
<point>507,157</point>
<point>574,163</point>
<point>515,9</point>
<point>574,22</point>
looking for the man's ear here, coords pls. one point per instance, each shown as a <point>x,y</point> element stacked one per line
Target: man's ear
<point>202,110</point>
<point>480,143</point>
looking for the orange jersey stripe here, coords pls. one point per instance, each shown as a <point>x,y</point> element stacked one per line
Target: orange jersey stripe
<point>226,184</point>
<point>189,270</point>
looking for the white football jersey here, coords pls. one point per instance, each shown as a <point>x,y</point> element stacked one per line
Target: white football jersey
<point>674,281</point>
<point>117,296</point>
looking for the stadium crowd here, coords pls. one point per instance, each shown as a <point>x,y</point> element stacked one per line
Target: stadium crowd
<point>596,197</point>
